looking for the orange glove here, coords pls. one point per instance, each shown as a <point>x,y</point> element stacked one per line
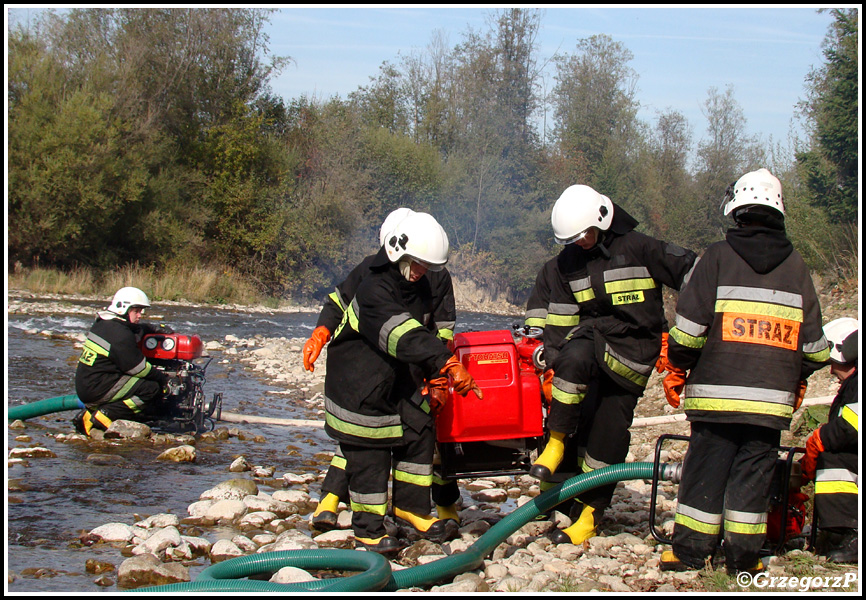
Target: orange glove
<point>662,364</point>
<point>547,385</point>
<point>437,394</point>
<point>674,382</point>
<point>314,345</point>
<point>460,378</point>
<point>801,393</point>
<point>809,462</point>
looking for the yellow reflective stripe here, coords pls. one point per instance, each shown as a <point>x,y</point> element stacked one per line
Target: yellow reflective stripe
<point>535,322</point>
<point>819,357</point>
<point>337,299</point>
<point>584,295</point>
<point>745,406</point>
<point>414,479</point>
<point>377,433</point>
<point>338,462</point>
<point>623,371</point>
<point>836,487</point>
<point>124,391</point>
<point>760,308</point>
<point>745,528</point>
<point>695,525</point>
<point>630,285</point>
<point>566,397</point>
<point>851,417</point>
<point>133,405</point>
<point>689,341</point>
<point>376,509</point>
<point>94,347</point>
<point>445,334</point>
<point>563,320</point>
<point>398,332</point>
<point>439,481</point>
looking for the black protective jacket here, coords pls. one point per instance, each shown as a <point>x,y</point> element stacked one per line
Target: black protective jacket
<point>111,362</point>
<point>748,326</point>
<point>386,331</point>
<point>612,293</point>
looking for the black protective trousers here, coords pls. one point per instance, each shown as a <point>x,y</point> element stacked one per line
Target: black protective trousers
<point>836,490</point>
<point>144,401</point>
<point>368,470</point>
<point>600,423</point>
<point>725,491</point>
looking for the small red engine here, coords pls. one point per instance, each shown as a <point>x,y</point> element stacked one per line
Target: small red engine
<point>494,434</point>
<point>171,346</point>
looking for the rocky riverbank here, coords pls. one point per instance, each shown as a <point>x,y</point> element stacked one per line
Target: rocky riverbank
<point>161,548</point>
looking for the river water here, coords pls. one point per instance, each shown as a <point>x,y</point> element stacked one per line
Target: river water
<point>50,502</point>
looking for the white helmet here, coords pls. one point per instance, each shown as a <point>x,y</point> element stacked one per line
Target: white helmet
<point>419,237</point>
<point>126,298</point>
<point>837,332</point>
<point>579,208</point>
<point>758,188</point>
<point>394,217</point>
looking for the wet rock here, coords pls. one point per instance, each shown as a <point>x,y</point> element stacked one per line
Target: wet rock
<point>336,538</point>
<point>104,581</point>
<point>224,511</point>
<point>159,541</point>
<point>37,452</point>
<point>224,550</point>
<point>146,569</point>
<point>159,521</point>
<point>240,465</point>
<point>129,430</point>
<point>179,454</point>
<point>291,575</point>
<point>233,489</point>
<point>105,459</point>
<point>112,532</point>
<point>96,567</point>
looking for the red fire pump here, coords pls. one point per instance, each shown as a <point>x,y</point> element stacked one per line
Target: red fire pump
<point>182,357</point>
<point>496,434</point>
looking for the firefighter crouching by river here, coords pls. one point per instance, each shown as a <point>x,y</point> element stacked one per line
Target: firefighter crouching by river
<point>374,408</point>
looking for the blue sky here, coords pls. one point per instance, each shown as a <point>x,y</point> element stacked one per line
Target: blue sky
<point>765,53</point>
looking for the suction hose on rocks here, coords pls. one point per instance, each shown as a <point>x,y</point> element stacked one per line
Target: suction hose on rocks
<point>45,407</point>
<point>217,578</point>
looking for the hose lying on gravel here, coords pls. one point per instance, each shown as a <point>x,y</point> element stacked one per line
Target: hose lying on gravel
<point>223,577</point>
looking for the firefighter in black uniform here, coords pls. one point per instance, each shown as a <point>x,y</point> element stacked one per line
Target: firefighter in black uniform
<point>113,378</point>
<point>600,304</point>
<point>748,330</point>
<point>832,449</point>
<point>374,407</point>
<point>335,487</point>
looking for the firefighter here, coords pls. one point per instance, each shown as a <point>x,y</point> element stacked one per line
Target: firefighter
<point>373,404</point>
<point>600,304</point>
<point>335,487</point>
<point>113,378</point>
<point>832,449</point>
<point>748,331</point>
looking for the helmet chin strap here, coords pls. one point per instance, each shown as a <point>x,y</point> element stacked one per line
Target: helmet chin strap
<point>405,266</point>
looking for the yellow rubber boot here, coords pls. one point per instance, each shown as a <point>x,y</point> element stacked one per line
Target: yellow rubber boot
<point>325,515</point>
<point>427,526</point>
<point>448,512</point>
<point>582,530</point>
<point>549,460</point>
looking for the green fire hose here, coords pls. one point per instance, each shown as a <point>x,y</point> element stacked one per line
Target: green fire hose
<point>222,577</point>
<point>45,407</point>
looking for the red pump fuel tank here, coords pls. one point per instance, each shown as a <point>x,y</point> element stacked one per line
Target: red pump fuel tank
<point>171,346</point>
<point>502,365</point>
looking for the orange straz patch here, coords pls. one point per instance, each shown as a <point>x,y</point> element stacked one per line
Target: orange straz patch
<point>761,329</point>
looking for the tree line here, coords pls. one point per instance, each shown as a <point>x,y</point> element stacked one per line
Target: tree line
<point>152,136</point>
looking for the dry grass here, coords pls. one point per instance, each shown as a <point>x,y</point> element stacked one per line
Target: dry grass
<point>212,285</point>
